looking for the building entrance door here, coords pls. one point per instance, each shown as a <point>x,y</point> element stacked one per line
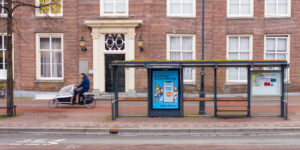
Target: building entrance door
<point>108,74</point>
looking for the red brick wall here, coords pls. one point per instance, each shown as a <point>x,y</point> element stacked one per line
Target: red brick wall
<point>154,29</point>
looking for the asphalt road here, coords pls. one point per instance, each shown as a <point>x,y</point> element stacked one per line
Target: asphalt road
<point>32,141</point>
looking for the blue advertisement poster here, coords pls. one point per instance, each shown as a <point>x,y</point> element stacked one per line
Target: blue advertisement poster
<point>165,89</point>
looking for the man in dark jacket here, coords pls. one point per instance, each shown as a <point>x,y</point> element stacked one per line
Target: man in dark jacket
<point>85,87</point>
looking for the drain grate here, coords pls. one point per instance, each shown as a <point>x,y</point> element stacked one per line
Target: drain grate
<point>114,130</point>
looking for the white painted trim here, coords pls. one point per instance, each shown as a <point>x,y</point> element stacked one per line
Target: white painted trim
<point>99,29</point>
<point>38,70</point>
<point>193,15</point>
<point>251,15</point>
<point>114,14</point>
<point>288,49</point>
<point>227,56</point>
<point>288,15</point>
<point>37,10</point>
<point>193,81</point>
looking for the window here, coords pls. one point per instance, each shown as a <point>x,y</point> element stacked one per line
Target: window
<point>181,8</point>
<point>50,56</point>
<point>3,63</point>
<point>238,48</point>
<point>115,42</point>
<point>239,8</point>
<point>277,48</point>
<point>50,7</point>
<point>115,8</point>
<point>182,47</point>
<point>277,8</point>
<point>3,12</point>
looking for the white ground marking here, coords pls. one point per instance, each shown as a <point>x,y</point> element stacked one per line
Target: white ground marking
<point>38,142</point>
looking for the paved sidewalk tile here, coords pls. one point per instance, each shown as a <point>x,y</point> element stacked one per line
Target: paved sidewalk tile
<point>35,113</point>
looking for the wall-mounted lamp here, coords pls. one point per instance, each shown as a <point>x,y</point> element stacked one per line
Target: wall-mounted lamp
<point>82,44</point>
<point>140,43</point>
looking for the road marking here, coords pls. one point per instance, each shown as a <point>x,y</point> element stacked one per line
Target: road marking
<point>36,142</point>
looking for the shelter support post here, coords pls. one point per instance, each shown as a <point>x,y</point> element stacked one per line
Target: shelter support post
<point>202,94</point>
<point>116,92</point>
<point>282,90</point>
<point>249,91</point>
<point>181,91</point>
<point>215,91</point>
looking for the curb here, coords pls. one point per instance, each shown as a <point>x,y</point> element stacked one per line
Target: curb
<point>155,131</point>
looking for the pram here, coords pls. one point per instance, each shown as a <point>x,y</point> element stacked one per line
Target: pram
<point>66,94</point>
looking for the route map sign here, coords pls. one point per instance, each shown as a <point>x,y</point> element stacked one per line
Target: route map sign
<point>265,83</point>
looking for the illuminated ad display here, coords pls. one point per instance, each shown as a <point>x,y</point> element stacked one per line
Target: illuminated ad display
<point>165,89</point>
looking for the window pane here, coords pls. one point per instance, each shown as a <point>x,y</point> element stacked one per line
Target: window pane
<point>5,42</point>
<point>56,8</point>
<point>44,4</point>
<point>56,43</point>
<point>1,58</point>
<point>271,46</point>
<point>1,42</point>
<point>188,74</point>
<point>56,71</point>
<point>108,6</point>
<point>243,73</point>
<point>281,57</point>
<point>45,43</point>
<point>187,56</point>
<point>233,56</point>
<point>187,8</point>
<point>282,8</point>
<point>120,6</point>
<point>45,64</point>
<point>56,57</point>
<point>45,57</point>
<point>282,45</point>
<point>175,56</point>
<point>282,1</point>
<point>187,43</point>
<point>174,43</point>
<point>234,8</point>
<point>245,44</point>
<point>271,8</point>
<point>233,44</point>
<point>244,56</point>
<point>233,73</point>
<point>270,56</point>
<point>4,10</point>
<point>245,9</point>
<point>175,8</point>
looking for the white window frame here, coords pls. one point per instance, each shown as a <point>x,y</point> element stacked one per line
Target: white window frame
<point>193,81</point>
<point>2,10</point>
<point>114,14</point>
<point>240,15</point>
<point>227,56</point>
<point>37,12</point>
<point>38,56</point>
<point>288,44</point>
<point>278,15</point>
<point>193,15</point>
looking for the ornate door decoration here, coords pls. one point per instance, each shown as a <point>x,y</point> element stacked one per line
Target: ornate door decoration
<point>114,42</point>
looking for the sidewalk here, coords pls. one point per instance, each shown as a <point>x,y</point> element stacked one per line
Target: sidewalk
<point>36,114</point>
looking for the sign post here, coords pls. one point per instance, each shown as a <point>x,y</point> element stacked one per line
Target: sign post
<point>164,93</point>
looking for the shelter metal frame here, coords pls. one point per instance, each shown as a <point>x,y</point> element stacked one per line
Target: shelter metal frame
<point>283,65</point>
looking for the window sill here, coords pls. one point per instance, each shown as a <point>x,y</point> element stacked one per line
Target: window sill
<point>240,17</point>
<point>277,17</point>
<point>181,17</point>
<point>48,81</point>
<point>235,83</point>
<point>113,17</point>
<point>189,82</point>
<point>49,17</point>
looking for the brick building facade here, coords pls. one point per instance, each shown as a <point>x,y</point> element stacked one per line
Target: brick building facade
<point>47,54</point>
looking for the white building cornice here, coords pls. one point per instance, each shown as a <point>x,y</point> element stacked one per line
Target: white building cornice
<point>113,23</point>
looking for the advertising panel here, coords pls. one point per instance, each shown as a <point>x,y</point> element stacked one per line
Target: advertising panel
<point>165,89</point>
<point>266,83</point>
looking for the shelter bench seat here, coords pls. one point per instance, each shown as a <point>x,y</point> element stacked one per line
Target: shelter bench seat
<point>234,99</point>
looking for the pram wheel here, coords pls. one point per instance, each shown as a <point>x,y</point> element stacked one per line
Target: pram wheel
<point>52,103</point>
<point>89,104</point>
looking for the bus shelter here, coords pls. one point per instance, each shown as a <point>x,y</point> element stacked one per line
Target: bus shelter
<point>167,76</point>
